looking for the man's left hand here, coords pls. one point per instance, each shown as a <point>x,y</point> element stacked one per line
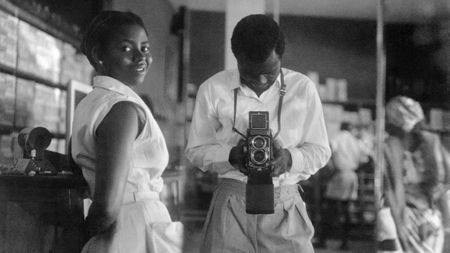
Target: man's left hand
<point>282,160</point>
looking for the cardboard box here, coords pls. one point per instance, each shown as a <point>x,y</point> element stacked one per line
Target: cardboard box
<point>7,101</point>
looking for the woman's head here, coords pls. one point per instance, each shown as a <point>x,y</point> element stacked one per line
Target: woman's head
<point>116,44</point>
<point>403,113</point>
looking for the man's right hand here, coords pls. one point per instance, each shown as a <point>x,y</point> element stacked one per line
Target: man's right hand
<point>238,155</point>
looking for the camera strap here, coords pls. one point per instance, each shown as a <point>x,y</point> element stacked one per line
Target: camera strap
<point>280,103</point>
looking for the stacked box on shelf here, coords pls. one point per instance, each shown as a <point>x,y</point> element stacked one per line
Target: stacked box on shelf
<point>8,39</point>
<point>74,66</point>
<point>7,95</point>
<point>87,69</point>
<point>37,105</point>
<point>70,68</point>
<point>62,112</point>
<point>365,116</point>
<point>46,108</point>
<point>446,127</point>
<point>24,102</point>
<point>439,119</point>
<point>6,153</point>
<point>333,115</point>
<point>48,50</point>
<point>39,53</point>
<point>435,118</point>
<point>334,90</point>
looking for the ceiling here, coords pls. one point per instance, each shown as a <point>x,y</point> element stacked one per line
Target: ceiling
<point>395,11</point>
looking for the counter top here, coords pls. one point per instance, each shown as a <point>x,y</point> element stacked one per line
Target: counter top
<point>54,181</point>
<point>62,181</point>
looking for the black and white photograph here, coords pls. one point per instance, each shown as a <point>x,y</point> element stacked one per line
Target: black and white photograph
<point>224,126</point>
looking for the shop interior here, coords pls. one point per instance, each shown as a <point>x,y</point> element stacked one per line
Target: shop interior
<point>359,54</point>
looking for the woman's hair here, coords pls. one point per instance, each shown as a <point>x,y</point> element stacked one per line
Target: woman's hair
<point>103,28</point>
<point>255,36</point>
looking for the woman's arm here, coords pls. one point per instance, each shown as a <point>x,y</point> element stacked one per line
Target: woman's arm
<point>114,146</point>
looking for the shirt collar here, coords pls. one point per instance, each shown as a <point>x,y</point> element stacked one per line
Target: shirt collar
<point>236,81</point>
<point>112,84</point>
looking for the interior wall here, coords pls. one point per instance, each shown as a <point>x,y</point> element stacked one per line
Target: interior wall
<point>207,34</point>
<point>332,47</point>
<point>336,48</point>
<point>417,70</point>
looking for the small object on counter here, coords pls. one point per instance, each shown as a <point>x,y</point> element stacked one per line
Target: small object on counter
<point>46,173</point>
<point>32,173</point>
<point>65,172</point>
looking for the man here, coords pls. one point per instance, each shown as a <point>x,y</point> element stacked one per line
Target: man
<point>217,143</point>
<point>342,188</point>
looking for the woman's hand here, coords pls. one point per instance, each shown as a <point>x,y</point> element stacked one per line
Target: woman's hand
<point>427,229</point>
<point>114,148</point>
<point>98,222</point>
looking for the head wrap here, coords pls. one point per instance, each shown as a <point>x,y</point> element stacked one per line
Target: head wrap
<point>403,112</point>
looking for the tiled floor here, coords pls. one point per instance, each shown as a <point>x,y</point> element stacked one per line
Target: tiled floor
<point>354,247</point>
<point>194,223</point>
<point>193,230</point>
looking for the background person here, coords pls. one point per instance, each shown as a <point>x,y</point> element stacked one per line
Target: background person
<point>118,144</point>
<point>342,188</point>
<point>221,111</point>
<point>414,180</point>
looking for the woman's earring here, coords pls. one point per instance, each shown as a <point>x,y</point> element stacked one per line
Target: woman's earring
<point>100,62</point>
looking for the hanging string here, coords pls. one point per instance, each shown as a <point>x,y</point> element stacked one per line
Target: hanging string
<point>280,103</point>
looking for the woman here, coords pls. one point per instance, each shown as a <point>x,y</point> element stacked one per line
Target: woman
<point>415,178</point>
<point>118,144</point>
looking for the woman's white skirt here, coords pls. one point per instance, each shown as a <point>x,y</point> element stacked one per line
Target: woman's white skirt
<point>144,226</point>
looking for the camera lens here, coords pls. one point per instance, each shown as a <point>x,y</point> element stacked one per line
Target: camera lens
<point>259,156</point>
<point>258,142</point>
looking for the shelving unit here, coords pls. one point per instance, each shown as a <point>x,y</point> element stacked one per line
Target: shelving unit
<point>363,209</point>
<point>37,60</point>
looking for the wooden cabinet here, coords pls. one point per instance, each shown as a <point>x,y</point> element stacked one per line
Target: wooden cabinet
<point>37,60</point>
<point>41,214</point>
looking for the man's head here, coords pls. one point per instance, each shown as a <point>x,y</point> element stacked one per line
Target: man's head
<point>255,37</point>
<point>258,45</point>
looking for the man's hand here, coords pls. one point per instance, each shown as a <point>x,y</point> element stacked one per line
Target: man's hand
<point>282,160</point>
<point>402,231</point>
<point>238,156</point>
<point>403,237</point>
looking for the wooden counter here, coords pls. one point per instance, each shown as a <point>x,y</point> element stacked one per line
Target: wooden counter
<point>45,213</point>
<point>41,213</point>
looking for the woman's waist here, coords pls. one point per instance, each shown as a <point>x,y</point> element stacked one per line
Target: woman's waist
<point>136,182</point>
<point>144,184</point>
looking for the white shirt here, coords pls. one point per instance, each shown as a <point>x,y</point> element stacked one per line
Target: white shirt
<point>150,155</point>
<point>347,151</point>
<point>303,130</point>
